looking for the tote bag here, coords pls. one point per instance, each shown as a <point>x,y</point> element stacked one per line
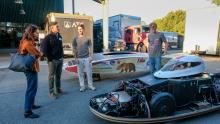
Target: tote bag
<point>22,63</point>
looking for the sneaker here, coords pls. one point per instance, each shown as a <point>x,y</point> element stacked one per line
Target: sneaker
<point>30,114</point>
<point>91,88</point>
<point>53,95</point>
<point>60,91</point>
<point>82,89</point>
<point>36,106</point>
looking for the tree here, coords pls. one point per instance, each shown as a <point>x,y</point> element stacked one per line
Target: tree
<point>216,2</point>
<point>172,22</point>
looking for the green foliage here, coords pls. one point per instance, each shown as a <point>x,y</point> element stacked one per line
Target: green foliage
<point>172,22</point>
<point>217,2</point>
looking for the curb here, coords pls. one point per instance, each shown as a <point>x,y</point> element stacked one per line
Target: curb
<point>3,67</point>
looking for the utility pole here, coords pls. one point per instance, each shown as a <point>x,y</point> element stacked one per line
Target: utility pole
<point>73,6</point>
<point>105,9</point>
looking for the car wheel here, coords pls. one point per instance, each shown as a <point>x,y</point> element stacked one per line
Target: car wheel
<point>96,76</point>
<point>162,104</point>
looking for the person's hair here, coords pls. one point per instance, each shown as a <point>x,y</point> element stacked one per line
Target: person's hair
<point>81,25</point>
<point>152,23</point>
<point>52,23</point>
<point>29,31</point>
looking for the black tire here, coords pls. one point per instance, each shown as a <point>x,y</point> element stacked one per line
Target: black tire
<point>96,76</point>
<point>141,48</point>
<point>217,75</point>
<point>162,104</point>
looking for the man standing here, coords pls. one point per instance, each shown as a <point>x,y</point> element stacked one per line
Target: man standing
<point>53,50</point>
<point>82,49</point>
<point>155,41</point>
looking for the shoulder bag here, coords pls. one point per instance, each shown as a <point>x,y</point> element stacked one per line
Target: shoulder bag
<point>22,63</point>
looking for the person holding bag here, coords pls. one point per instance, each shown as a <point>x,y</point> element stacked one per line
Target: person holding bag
<point>27,46</point>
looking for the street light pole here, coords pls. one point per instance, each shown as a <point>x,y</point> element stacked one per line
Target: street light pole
<point>105,6</point>
<point>73,6</point>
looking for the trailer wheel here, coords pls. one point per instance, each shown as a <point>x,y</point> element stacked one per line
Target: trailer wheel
<point>162,104</point>
<point>141,48</point>
<point>96,76</point>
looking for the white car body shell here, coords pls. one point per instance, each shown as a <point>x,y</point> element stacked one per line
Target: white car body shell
<point>193,65</point>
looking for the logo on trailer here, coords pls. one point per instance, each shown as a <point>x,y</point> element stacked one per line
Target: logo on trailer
<point>68,24</point>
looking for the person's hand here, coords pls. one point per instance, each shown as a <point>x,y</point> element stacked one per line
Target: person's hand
<point>77,61</point>
<point>164,52</point>
<point>41,54</point>
<point>90,59</point>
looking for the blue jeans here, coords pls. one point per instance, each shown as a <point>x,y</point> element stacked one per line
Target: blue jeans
<point>84,63</point>
<point>155,63</point>
<point>32,79</point>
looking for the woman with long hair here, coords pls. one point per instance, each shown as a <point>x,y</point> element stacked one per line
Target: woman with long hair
<point>27,45</point>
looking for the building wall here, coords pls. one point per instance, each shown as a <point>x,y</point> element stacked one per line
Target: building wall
<point>36,10</point>
<point>12,24</point>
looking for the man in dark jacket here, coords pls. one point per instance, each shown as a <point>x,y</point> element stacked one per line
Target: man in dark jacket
<point>53,50</point>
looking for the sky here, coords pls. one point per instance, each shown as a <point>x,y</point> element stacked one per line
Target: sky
<point>148,10</point>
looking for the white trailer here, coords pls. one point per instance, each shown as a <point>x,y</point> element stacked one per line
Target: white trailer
<point>68,30</point>
<point>202,31</point>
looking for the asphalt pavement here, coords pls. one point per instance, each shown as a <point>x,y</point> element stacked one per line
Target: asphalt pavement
<point>72,107</point>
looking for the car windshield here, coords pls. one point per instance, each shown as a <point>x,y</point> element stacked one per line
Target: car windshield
<point>174,65</point>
